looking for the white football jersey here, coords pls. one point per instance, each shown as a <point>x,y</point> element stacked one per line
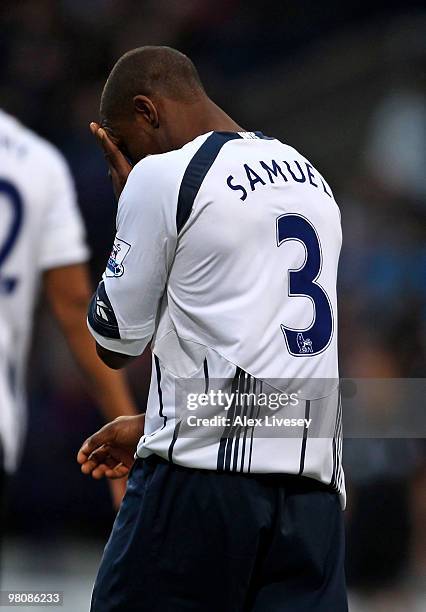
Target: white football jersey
<point>226,258</point>
<point>40,228</point>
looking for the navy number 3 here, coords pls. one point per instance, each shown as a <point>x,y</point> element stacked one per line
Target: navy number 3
<point>302,282</point>
<point>12,195</point>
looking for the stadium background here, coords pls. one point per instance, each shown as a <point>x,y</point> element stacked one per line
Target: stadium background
<point>340,81</point>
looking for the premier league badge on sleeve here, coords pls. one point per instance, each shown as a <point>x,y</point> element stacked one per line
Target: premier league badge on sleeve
<point>119,251</point>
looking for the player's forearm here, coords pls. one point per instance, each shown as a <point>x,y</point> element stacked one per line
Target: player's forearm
<point>68,292</point>
<point>108,387</point>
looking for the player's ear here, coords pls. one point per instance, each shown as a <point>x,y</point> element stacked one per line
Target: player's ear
<point>145,109</point>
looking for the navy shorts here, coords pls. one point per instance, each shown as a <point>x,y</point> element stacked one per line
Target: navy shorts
<point>187,539</point>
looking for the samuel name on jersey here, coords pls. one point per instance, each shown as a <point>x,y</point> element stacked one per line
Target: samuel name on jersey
<point>272,171</point>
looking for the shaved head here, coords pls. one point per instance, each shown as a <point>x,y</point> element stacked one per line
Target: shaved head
<point>154,102</point>
<point>153,72</point>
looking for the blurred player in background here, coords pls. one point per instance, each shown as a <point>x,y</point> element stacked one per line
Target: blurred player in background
<point>42,243</point>
<point>225,259</point>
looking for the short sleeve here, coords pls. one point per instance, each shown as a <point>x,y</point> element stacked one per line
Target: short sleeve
<point>123,311</point>
<point>64,235</point>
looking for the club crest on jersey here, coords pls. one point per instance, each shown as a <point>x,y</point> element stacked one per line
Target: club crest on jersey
<point>119,251</point>
<point>304,344</point>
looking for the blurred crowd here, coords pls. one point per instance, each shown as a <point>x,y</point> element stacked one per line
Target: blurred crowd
<point>342,82</point>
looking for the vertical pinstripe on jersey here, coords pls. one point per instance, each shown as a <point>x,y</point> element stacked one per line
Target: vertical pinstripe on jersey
<point>337,474</point>
<point>173,442</point>
<point>223,443</point>
<point>206,375</point>
<point>246,429</point>
<point>239,428</point>
<point>333,446</point>
<point>339,483</point>
<point>252,429</point>
<point>160,391</point>
<point>236,409</point>
<point>304,439</point>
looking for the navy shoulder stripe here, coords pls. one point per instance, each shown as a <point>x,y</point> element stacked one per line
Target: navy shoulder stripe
<point>196,172</point>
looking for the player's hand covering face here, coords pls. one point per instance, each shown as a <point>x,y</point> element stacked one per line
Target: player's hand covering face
<point>110,451</point>
<point>119,167</point>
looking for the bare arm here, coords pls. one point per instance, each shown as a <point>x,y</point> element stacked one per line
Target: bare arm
<point>115,361</point>
<point>68,292</point>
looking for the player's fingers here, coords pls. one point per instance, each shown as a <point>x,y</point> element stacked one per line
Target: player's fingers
<point>108,464</point>
<point>99,472</point>
<point>94,127</point>
<point>119,167</point>
<point>99,455</point>
<point>117,460</point>
<point>98,439</point>
<point>81,457</point>
<point>84,455</point>
<point>90,465</point>
<point>117,162</point>
<point>103,458</point>
<point>112,153</point>
<point>118,472</point>
<point>113,456</point>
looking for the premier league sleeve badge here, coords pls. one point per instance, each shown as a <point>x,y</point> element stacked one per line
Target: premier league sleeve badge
<point>115,263</point>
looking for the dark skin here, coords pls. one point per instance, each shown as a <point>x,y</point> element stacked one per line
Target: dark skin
<point>153,125</point>
<point>158,125</point>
